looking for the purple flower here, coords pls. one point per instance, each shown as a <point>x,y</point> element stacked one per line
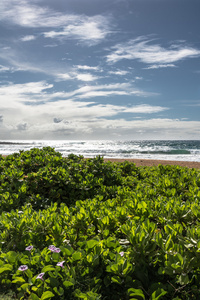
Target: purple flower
<point>40,276</point>
<point>60,264</point>
<point>57,250</point>
<point>23,268</point>
<point>54,249</point>
<point>121,253</point>
<point>29,248</point>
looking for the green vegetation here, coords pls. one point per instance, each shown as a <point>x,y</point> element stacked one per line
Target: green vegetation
<point>75,228</point>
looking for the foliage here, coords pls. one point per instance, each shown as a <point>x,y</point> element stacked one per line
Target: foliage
<point>97,230</point>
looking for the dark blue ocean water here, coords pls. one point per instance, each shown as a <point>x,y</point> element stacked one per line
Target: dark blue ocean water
<point>168,150</point>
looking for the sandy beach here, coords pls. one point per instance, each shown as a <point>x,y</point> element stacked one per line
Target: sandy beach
<point>149,162</point>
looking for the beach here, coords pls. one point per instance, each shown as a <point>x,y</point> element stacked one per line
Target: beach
<point>154,162</point>
<point>151,162</point>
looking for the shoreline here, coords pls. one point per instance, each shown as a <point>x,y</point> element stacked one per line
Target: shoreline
<point>152,162</point>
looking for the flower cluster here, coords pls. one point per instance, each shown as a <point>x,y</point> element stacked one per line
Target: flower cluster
<point>54,249</point>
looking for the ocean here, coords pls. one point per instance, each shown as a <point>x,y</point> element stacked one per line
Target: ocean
<point>179,150</point>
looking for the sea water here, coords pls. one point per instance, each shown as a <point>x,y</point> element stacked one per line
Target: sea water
<point>181,150</point>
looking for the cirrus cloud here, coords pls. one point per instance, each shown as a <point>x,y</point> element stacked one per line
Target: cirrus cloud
<point>143,50</point>
<point>88,29</point>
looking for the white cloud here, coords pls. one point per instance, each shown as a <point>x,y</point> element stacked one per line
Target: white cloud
<point>105,90</point>
<point>4,68</point>
<point>119,72</point>
<point>86,77</point>
<point>93,128</point>
<point>51,46</point>
<point>145,109</point>
<point>28,38</point>
<point>143,50</point>
<point>30,101</point>
<point>34,110</point>
<point>85,67</point>
<point>40,92</point>
<point>64,76</point>
<point>160,66</point>
<point>90,30</point>
<point>25,14</point>
<point>25,88</point>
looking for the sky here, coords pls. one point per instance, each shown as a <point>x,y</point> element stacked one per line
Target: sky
<point>99,69</point>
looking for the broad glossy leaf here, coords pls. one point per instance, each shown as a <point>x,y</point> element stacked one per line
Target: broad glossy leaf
<point>91,244</point>
<point>116,279</point>
<point>136,293</point>
<point>34,296</point>
<point>6,267</point>
<point>158,294</point>
<point>48,268</point>
<point>67,283</point>
<point>47,295</point>
<point>18,280</point>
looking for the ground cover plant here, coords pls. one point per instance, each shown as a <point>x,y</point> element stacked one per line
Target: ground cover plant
<point>75,228</point>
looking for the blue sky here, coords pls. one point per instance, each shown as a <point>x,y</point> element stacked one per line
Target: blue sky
<point>99,69</point>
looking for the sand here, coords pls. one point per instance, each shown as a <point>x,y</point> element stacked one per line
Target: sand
<point>150,162</point>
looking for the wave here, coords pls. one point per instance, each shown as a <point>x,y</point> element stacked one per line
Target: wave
<point>14,143</point>
<point>169,152</point>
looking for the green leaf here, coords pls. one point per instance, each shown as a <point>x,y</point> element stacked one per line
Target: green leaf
<point>105,220</point>
<point>48,268</point>
<point>77,255</point>
<point>67,250</point>
<point>158,294</point>
<point>115,268</point>
<point>180,258</point>
<point>6,267</point>
<point>91,243</point>
<point>167,245</point>
<point>18,279</point>
<point>11,256</point>
<point>67,284</point>
<point>59,291</point>
<point>183,279</point>
<point>116,279</point>
<point>25,286</point>
<point>47,295</point>
<point>136,293</point>
<point>56,256</point>
<point>34,296</point>
<point>53,281</point>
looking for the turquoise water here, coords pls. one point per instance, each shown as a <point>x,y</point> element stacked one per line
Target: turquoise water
<point>167,150</point>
